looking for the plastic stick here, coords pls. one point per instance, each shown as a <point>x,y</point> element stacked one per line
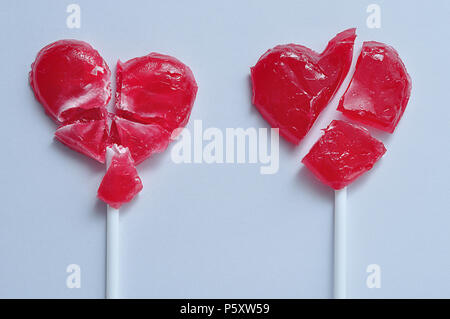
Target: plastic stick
<point>112,245</point>
<point>340,243</point>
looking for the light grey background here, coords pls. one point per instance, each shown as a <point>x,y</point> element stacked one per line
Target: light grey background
<point>201,230</point>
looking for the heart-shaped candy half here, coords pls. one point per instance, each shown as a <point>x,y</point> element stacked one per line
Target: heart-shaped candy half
<point>292,84</point>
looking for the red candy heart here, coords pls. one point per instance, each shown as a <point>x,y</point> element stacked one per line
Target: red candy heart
<point>155,95</point>
<point>292,84</point>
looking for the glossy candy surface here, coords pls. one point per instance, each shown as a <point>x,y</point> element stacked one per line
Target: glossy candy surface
<point>343,153</point>
<point>71,81</point>
<point>379,90</point>
<point>142,140</point>
<point>155,95</point>
<point>121,181</point>
<point>292,84</point>
<point>155,89</point>
<point>88,138</point>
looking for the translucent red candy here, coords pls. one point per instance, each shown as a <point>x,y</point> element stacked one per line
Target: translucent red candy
<point>155,89</point>
<point>71,81</point>
<point>155,95</point>
<point>343,153</point>
<point>292,84</point>
<point>88,138</point>
<point>141,139</point>
<point>121,181</point>
<point>379,90</point>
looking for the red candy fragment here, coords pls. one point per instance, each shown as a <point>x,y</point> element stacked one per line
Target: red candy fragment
<point>88,138</point>
<point>379,90</point>
<point>121,181</point>
<point>292,84</point>
<point>141,139</point>
<point>71,81</point>
<point>343,153</point>
<point>155,89</point>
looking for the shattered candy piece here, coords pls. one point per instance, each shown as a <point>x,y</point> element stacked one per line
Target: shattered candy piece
<point>88,138</point>
<point>379,90</point>
<point>142,140</point>
<point>343,153</point>
<point>292,84</point>
<point>155,89</point>
<point>121,181</point>
<point>68,78</point>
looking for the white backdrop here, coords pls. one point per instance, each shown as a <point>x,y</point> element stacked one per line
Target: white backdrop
<point>224,230</point>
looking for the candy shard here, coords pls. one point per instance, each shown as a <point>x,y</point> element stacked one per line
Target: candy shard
<point>121,182</point>
<point>155,89</point>
<point>68,77</point>
<point>142,140</point>
<point>292,84</point>
<point>343,153</point>
<point>88,138</point>
<point>379,90</point>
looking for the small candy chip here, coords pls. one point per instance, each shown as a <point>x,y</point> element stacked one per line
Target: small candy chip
<point>292,84</point>
<point>142,140</point>
<point>71,80</point>
<point>343,153</point>
<point>121,181</point>
<point>155,89</point>
<point>88,138</point>
<point>379,90</point>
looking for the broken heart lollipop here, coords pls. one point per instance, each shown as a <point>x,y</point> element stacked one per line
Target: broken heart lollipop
<point>155,95</point>
<point>292,84</point>
<point>343,153</point>
<point>379,90</point>
<point>71,81</point>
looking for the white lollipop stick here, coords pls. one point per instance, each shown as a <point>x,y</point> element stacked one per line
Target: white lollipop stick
<point>340,241</point>
<point>112,244</point>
